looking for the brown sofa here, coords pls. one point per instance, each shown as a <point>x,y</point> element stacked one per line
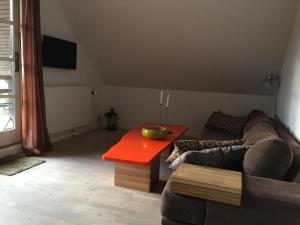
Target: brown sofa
<point>266,198</point>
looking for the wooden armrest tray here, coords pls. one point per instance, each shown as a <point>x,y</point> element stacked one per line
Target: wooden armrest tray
<point>208,183</point>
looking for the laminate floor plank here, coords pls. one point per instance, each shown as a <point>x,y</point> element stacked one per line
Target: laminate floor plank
<point>74,187</point>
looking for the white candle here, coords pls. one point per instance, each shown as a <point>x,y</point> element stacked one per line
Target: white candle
<point>168,98</point>
<point>161,97</point>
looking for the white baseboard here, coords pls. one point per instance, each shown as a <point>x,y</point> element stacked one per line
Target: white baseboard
<point>17,148</point>
<point>10,150</point>
<point>70,133</point>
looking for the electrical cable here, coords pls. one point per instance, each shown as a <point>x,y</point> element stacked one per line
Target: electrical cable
<point>278,79</point>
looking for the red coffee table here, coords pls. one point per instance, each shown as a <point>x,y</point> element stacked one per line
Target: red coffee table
<point>137,158</point>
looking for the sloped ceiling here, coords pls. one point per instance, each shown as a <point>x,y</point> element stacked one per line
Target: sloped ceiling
<point>203,45</point>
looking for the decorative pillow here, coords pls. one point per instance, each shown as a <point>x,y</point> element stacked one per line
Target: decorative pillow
<point>269,158</point>
<point>222,157</point>
<point>182,146</point>
<point>207,157</point>
<point>227,123</point>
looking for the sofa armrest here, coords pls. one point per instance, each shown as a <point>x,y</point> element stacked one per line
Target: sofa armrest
<point>207,183</point>
<point>264,201</point>
<point>265,189</point>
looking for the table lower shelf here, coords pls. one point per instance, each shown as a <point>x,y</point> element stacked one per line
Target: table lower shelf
<point>137,177</point>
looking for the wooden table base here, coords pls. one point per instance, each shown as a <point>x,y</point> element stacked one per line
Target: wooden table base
<point>138,177</point>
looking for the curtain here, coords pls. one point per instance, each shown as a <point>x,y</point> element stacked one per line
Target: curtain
<point>35,137</point>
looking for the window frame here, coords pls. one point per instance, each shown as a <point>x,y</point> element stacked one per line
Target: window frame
<point>13,135</point>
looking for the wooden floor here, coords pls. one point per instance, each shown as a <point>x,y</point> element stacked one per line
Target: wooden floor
<point>75,187</point>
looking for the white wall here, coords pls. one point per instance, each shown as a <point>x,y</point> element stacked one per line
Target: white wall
<point>76,99</point>
<point>289,94</point>
<point>134,43</point>
<point>136,105</point>
<point>54,23</point>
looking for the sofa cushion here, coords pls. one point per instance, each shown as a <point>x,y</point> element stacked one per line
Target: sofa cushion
<point>182,146</point>
<point>222,157</point>
<point>260,131</point>
<point>227,123</point>
<point>256,116</point>
<point>269,158</point>
<point>293,174</point>
<point>182,208</point>
<point>258,127</point>
<point>264,202</point>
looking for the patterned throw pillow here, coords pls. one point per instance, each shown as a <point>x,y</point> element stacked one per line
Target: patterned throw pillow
<point>227,123</point>
<point>206,157</point>
<point>223,157</point>
<point>182,146</point>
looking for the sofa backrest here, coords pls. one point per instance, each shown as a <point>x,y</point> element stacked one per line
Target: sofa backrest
<point>258,127</point>
<point>270,156</point>
<point>293,174</point>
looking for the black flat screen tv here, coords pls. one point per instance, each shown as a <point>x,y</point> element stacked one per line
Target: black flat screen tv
<point>59,53</point>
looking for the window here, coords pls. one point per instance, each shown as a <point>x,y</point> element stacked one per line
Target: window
<point>8,81</point>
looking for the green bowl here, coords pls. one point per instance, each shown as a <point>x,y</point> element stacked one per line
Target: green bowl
<point>155,133</point>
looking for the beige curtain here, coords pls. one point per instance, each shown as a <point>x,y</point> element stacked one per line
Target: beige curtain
<point>35,138</point>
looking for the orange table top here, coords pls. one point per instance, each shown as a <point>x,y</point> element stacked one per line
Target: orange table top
<point>136,149</point>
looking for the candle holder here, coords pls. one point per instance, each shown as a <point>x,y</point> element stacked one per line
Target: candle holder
<point>166,118</point>
<point>160,109</point>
